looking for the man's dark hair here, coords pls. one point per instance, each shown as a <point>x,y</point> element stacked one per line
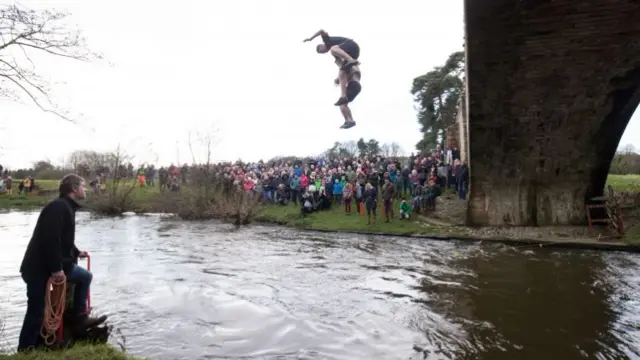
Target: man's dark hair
<point>69,184</point>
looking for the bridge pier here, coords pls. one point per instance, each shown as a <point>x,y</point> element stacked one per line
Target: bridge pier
<point>551,86</point>
<point>526,204</point>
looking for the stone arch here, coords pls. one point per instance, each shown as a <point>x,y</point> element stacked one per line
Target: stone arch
<point>625,100</point>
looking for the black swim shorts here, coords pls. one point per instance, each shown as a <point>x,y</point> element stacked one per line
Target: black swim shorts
<point>348,45</point>
<point>351,47</point>
<point>353,89</point>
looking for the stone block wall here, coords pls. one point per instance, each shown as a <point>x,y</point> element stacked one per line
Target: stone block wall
<point>551,87</point>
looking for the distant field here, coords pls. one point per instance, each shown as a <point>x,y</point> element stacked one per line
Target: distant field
<point>48,184</point>
<point>630,183</point>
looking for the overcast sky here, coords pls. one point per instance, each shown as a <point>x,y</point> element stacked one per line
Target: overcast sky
<point>237,68</point>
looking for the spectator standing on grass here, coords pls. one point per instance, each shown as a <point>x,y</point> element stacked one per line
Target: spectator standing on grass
<point>8,185</point>
<point>359,194</point>
<point>294,185</point>
<point>388,194</point>
<point>417,198</point>
<point>371,202</point>
<point>150,176</point>
<point>406,181</point>
<point>432,191</point>
<point>347,196</point>
<point>337,191</point>
<point>26,185</point>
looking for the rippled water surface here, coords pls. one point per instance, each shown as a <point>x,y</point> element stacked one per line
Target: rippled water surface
<point>206,291</point>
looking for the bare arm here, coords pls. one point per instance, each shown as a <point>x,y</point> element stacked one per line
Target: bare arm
<point>318,33</point>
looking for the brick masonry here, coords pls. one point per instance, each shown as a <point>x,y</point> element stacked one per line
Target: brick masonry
<point>551,87</point>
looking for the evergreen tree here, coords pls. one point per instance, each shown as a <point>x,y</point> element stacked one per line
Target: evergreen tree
<point>436,94</point>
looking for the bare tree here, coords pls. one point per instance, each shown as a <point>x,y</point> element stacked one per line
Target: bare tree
<point>396,149</point>
<point>350,148</point>
<point>117,197</point>
<point>24,33</point>
<point>628,149</point>
<point>385,149</point>
<point>86,162</point>
<point>211,193</point>
<point>207,141</point>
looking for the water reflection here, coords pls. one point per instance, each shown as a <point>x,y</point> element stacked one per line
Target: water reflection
<point>204,291</point>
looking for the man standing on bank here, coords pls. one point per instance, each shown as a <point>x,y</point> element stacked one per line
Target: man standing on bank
<point>52,253</point>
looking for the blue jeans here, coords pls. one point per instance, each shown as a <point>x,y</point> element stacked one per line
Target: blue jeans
<point>36,292</point>
<point>268,195</point>
<point>82,279</point>
<point>30,333</point>
<point>462,190</point>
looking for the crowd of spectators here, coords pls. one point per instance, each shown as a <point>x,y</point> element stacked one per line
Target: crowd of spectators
<point>355,183</point>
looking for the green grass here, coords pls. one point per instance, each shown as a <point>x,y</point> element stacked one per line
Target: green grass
<point>626,183</point>
<point>141,197</point>
<point>78,352</point>
<point>22,202</point>
<point>336,220</point>
<point>48,184</point>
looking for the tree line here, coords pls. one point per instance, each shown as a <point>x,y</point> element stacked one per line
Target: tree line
<point>626,161</point>
<point>82,162</point>
<point>88,163</point>
<point>362,147</point>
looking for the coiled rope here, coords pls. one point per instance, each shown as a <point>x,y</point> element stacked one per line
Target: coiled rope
<point>55,301</point>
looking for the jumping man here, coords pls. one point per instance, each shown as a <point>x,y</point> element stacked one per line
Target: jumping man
<point>346,53</point>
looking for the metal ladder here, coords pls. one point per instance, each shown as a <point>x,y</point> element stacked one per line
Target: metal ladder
<point>612,208</point>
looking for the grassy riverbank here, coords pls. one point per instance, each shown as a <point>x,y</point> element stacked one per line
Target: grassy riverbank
<point>78,352</point>
<point>337,220</point>
<point>147,199</point>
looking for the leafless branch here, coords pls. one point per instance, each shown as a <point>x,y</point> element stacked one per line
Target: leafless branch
<point>25,32</point>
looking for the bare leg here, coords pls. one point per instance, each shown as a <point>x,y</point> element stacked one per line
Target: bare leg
<point>348,117</point>
<point>344,109</point>
<point>343,78</point>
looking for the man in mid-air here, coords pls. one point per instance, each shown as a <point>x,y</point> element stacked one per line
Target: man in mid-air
<point>346,53</point>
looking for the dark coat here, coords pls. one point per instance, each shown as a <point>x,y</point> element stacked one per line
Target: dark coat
<point>52,247</point>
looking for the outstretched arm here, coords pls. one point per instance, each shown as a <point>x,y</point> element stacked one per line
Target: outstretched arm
<point>318,33</point>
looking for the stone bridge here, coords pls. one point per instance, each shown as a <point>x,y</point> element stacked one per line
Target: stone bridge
<point>551,86</point>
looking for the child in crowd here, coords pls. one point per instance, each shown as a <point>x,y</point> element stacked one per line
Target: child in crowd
<point>405,210</point>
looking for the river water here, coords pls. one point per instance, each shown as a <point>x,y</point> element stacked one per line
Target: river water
<point>180,290</point>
